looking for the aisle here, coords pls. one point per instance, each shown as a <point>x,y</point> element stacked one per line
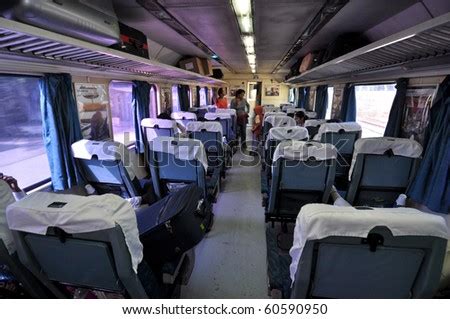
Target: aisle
<point>231,260</point>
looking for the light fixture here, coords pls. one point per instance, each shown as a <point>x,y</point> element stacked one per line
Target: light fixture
<point>242,7</point>
<point>391,42</point>
<point>243,11</point>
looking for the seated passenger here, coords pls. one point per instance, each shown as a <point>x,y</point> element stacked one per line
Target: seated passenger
<point>300,118</point>
<point>221,102</point>
<point>9,192</point>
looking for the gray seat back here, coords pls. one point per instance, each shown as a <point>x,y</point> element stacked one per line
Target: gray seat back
<point>97,260</point>
<point>379,266</point>
<point>296,183</point>
<point>375,187</point>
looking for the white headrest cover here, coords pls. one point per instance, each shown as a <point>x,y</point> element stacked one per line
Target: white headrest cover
<point>267,114</point>
<point>232,112</point>
<point>213,116</point>
<point>286,133</point>
<point>318,221</point>
<point>270,108</point>
<point>280,120</point>
<point>379,145</point>
<point>311,114</point>
<point>183,116</point>
<point>336,127</point>
<point>294,110</point>
<point>161,123</point>
<point>303,151</point>
<point>105,151</point>
<point>209,126</point>
<point>80,214</point>
<point>314,122</point>
<point>285,106</point>
<point>186,149</point>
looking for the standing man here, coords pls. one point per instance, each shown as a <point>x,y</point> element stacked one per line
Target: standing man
<point>240,104</point>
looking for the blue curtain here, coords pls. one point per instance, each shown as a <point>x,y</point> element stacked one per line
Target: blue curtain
<point>141,109</point>
<point>183,97</point>
<point>60,128</point>
<point>431,184</point>
<point>348,108</point>
<point>197,102</point>
<point>321,101</point>
<point>394,125</point>
<point>301,97</point>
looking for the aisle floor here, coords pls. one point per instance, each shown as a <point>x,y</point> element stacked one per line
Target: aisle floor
<point>231,260</point>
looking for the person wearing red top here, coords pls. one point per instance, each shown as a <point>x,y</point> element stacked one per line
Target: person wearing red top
<point>257,126</point>
<point>221,102</point>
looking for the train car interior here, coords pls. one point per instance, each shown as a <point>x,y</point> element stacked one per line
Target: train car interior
<point>225,149</point>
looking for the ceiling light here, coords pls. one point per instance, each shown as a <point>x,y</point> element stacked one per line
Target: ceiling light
<point>248,40</point>
<point>251,58</point>
<point>245,23</point>
<point>242,7</point>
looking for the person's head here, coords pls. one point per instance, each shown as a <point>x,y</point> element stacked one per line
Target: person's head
<point>259,110</point>
<point>240,94</point>
<point>300,118</point>
<point>220,93</point>
<point>164,116</point>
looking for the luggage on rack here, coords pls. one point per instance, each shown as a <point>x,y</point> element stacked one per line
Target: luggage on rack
<point>307,62</point>
<point>94,21</point>
<point>132,41</point>
<point>173,225</point>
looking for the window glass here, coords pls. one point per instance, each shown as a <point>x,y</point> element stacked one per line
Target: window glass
<point>373,104</point>
<point>122,112</point>
<point>330,93</point>
<point>202,97</point>
<point>175,100</point>
<point>154,107</point>
<point>22,151</point>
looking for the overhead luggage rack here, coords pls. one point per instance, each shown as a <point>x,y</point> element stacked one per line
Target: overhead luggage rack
<point>406,50</point>
<point>23,43</point>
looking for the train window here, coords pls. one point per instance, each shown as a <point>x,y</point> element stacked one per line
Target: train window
<point>330,93</point>
<point>120,96</point>
<point>22,151</point>
<point>154,105</point>
<point>373,104</point>
<point>175,99</point>
<point>203,101</point>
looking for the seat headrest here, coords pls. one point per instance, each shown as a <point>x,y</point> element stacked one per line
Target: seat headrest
<point>101,150</point>
<point>187,149</point>
<point>267,114</point>
<point>214,116</point>
<point>386,145</point>
<point>319,221</point>
<point>76,214</point>
<point>285,106</point>
<point>314,123</point>
<point>294,110</point>
<point>304,151</point>
<point>343,127</point>
<point>280,120</point>
<point>287,133</point>
<point>183,116</point>
<point>158,123</point>
<point>209,126</point>
<point>228,111</point>
<point>310,114</point>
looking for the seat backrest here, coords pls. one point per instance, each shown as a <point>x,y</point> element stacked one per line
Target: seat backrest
<point>225,120</point>
<point>102,164</point>
<point>311,114</point>
<point>302,173</point>
<point>313,127</point>
<point>293,110</point>
<point>233,115</point>
<point>210,134</point>
<point>276,121</point>
<point>343,136</point>
<point>152,128</point>
<point>370,186</point>
<point>183,117</point>
<point>380,254</point>
<point>177,160</point>
<point>285,106</point>
<point>95,238</point>
<point>278,134</point>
